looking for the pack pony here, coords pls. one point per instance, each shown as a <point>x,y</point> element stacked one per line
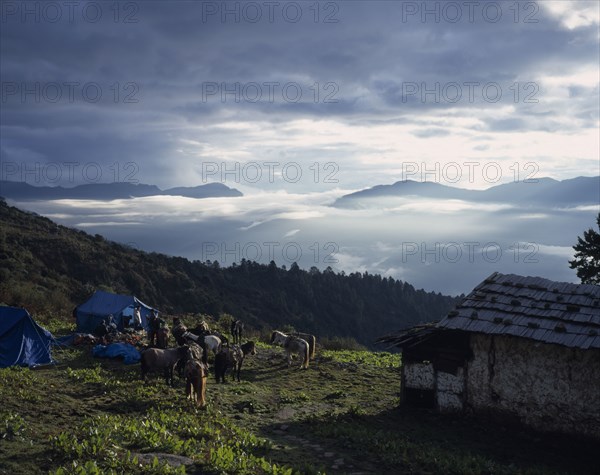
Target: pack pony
<point>237,328</point>
<point>156,359</point>
<point>312,342</point>
<point>292,344</point>
<point>195,377</point>
<point>162,337</point>
<point>232,357</point>
<point>208,342</point>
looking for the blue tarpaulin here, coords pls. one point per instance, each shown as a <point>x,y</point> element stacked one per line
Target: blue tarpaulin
<point>66,340</point>
<point>22,341</point>
<point>99,306</point>
<point>128,352</point>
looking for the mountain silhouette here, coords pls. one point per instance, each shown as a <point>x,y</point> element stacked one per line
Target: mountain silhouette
<point>109,191</point>
<point>545,192</point>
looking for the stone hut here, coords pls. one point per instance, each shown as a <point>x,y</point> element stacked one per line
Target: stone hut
<point>525,348</point>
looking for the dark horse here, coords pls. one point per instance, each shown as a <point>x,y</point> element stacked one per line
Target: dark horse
<point>162,337</point>
<point>237,328</point>
<point>232,357</point>
<point>156,359</point>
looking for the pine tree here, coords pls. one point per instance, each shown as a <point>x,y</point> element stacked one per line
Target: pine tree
<point>587,256</point>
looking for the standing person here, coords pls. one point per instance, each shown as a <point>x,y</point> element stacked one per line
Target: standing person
<point>153,325</point>
<point>178,330</point>
<point>110,324</point>
<point>137,318</point>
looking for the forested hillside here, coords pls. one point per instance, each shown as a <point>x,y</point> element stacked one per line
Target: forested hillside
<point>48,267</point>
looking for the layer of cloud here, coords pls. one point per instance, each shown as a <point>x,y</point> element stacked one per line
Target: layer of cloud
<point>437,248</point>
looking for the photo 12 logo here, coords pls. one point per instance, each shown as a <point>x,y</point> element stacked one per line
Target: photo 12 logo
<point>68,92</point>
<point>289,252</point>
<point>269,92</point>
<point>454,252</point>
<point>469,91</point>
<point>270,12</point>
<point>472,171</point>
<point>254,172</point>
<point>469,11</point>
<point>52,173</point>
<point>69,12</point>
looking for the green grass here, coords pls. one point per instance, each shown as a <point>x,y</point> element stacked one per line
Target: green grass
<point>368,358</point>
<point>90,416</point>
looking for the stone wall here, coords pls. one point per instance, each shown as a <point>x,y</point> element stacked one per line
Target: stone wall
<point>419,375</point>
<point>448,388</point>
<point>450,391</point>
<point>549,387</point>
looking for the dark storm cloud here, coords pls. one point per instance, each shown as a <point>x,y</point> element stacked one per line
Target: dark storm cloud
<point>169,76</point>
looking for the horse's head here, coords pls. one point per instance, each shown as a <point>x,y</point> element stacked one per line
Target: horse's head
<point>278,338</point>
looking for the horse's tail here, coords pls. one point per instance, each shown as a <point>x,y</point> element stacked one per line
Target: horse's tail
<point>313,346</point>
<point>306,355</point>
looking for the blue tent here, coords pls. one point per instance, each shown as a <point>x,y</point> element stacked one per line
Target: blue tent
<point>22,341</point>
<point>91,313</point>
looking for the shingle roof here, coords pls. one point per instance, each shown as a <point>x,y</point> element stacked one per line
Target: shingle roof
<point>531,307</point>
<point>527,307</point>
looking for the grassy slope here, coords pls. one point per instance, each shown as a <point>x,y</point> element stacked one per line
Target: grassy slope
<point>340,416</point>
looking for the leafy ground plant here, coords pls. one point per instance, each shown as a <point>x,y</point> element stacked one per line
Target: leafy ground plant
<point>12,425</point>
<point>86,416</point>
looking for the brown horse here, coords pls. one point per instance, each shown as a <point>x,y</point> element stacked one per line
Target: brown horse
<point>237,328</point>
<point>155,359</point>
<point>162,337</point>
<point>312,343</point>
<point>195,381</point>
<point>232,357</point>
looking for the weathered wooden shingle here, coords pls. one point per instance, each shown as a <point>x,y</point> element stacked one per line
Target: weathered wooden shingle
<point>508,304</point>
<point>527,307</point>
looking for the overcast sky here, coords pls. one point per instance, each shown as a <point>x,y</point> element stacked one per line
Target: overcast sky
<point>349,93</point>
<point>297,103</point>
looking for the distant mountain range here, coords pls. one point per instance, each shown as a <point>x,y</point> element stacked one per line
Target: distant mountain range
<point>109,191</point>
<point>545,192</point>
